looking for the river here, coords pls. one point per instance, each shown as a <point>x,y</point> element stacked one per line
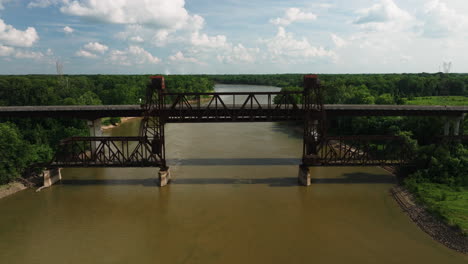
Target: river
<point>234,199</point>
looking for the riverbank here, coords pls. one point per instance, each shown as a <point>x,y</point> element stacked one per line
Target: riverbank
<point>443,233</point>
<point>33,180</point>
<point>36,181</point>
<point>122,120</point>
<point>11,188</point>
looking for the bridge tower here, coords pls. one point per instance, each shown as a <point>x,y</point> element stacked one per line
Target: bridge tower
<point>314,126</point>
<point>152,125</point>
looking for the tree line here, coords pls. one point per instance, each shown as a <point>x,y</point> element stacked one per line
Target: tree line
<point>43,135</point>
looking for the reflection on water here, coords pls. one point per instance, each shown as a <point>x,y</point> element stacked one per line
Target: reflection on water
<point>234,199</point>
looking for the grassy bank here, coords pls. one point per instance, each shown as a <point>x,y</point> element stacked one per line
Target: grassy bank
<point>448,203</point>
<point>439,100</point>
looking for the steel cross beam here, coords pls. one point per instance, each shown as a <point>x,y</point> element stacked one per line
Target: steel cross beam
<point>148,149</point>
<point>110,152</point>
<point>212,107</point>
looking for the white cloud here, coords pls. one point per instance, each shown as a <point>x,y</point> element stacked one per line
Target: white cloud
<point>168,14</point>
<point>239,54</point>
<point>189,34</point>
<point>43,3</point>
<point>96,47</point>
<point>68,30</point>
<point>13,37</point>
<point>86,54</point>
<point>285,46</point>
<point>161,38</point>
<point>385,15</point>
<point>89,50</point>
<point>293,15</point>
<point>440,21</point>
<point>137,39</point>
<point>29,55</point>
<point>131,56</point>
<point>180,57</point>
<point>384,11</point>
<point>203,40</point>
<point>338,41</point>
<point>6,51</point>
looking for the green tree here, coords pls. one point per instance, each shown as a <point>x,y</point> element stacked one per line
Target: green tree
<point>385,99</point>
<point>14,153</point>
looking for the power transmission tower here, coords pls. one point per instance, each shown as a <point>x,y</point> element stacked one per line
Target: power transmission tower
<point>444,89</point>
<point>447,67</point>
<point>63,81</point>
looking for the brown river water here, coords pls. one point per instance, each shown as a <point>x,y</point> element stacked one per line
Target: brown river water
<point>234,199</point>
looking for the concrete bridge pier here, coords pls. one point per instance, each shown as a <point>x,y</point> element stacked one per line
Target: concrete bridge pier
<point>164,177</point>
<point>304,175</point>
<point>50,177</point>
<point>94,131</point>
<point>456,122</point>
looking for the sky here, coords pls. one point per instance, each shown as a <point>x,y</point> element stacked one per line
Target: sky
<point>232,36</point>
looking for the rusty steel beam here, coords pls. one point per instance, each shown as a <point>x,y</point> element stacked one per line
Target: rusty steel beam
<point>161,107</point>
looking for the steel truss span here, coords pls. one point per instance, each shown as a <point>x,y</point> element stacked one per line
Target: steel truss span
<point>109,152</point>
<point>161,107</point>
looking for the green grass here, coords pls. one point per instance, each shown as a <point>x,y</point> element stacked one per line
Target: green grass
<point>449,203</point>
<point>439,100</point>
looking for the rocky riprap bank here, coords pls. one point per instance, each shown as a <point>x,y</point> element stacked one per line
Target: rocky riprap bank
<point>438,230</point>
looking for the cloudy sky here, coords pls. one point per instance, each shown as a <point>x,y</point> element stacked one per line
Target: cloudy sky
<point>232,36</point>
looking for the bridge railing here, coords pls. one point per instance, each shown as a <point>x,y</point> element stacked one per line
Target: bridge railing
<point>105,152</point>
<point>238,106</point>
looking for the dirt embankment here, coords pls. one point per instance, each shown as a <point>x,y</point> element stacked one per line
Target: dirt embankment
<point>438,230</point>
<point>11,188</point>
<point>32,180</point>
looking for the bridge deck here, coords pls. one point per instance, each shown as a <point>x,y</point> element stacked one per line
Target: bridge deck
<point>100,111</point>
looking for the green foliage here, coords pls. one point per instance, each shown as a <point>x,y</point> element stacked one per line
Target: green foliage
<point>442,164</point>
<point>297,98</point>
<point>439,100</point>
<point>16,153</point>
<point>385,99</point>
<point>448,203</point>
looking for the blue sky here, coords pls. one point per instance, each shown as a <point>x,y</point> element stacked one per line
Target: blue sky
<point>232,36</point>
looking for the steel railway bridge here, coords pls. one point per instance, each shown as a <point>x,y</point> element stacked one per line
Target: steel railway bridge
<point>161,107</point>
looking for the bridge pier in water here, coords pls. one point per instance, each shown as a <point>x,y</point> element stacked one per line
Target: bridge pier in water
<point>94,131</point>
<point>314,127</point>
<point>304,175</point>
<point>50,177</point>
<point>319,149</point>
<point>164,177</point>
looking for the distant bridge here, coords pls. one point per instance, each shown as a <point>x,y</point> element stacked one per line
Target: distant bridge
<point>161,107</point>
<point>92,112</point>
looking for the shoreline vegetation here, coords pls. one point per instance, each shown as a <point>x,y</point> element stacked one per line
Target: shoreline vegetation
<point>440,231</point>
<point>31,141</point>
